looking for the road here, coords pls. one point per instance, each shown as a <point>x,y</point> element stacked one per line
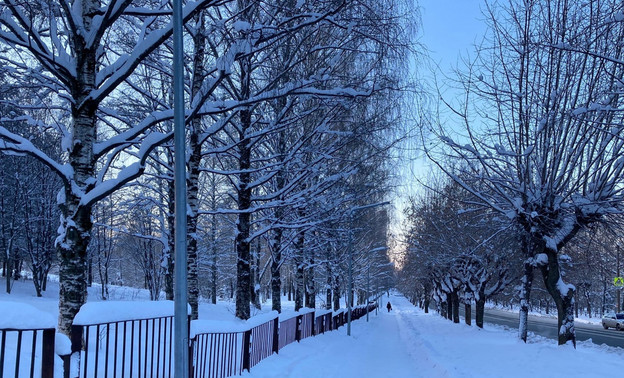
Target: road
<point>547,327</point>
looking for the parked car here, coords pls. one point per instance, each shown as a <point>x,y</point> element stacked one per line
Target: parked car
<point>614,321</point>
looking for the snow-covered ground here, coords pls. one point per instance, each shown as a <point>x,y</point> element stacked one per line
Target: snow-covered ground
<point>403,343</point>
<point>409,343</point>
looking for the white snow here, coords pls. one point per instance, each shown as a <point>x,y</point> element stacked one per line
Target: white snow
<point>62,344</point>
<point>541,259</point>
<point>235,325</point>
<point>17,315</point>
<point>409,343</point>
<point>116,311</point>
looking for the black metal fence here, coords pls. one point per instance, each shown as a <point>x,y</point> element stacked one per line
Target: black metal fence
<point>216,355</point>
<point>220,355</point>
<point>288,332</point>
<point>27,353</point>
<point>139,348</point>
<point>143,348</point>
<point>322,323</point>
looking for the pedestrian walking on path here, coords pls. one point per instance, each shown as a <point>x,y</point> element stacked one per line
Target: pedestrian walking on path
<point>389,306</point>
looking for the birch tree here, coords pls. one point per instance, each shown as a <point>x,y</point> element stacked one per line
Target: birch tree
<point>74,49</point>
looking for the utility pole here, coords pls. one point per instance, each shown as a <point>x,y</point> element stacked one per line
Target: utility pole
<point>181,342</point>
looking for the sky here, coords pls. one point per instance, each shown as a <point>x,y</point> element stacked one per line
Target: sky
<point>449,30</point>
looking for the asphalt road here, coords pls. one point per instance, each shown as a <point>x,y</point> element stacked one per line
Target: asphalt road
<point>547,327</point>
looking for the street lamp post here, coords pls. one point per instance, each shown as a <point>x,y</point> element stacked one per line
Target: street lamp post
<point>180,306</point>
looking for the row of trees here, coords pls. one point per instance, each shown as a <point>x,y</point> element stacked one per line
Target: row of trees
<point>292,111</point>
<point>538,138</point>
<point>455,253</point>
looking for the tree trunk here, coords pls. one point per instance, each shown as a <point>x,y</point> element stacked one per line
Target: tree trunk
<point>243,225</point>
<point>480,310</point>
<point>289,284</point>
<point>336,291</point>
<point>310,299</point>
<point>563,296</point>
<point>254,285</point>
<point>299,285</point>
<point>90,274</point>
<point>468,313</point>
<point>299,270</point>
<point>525,297</point>
<point>169,263</point>
<point>587,298</point>
<point>455,300</point>
<point>8,278</point>
<point>199,41</point>
<point>243,268</point>
<point>328,295</point>
<point>276,279</point>
<point>213,268</point>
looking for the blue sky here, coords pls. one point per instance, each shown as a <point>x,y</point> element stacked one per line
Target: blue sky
<point>450,28</point>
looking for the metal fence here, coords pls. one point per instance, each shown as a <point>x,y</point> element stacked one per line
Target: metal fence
<point>143,348</point>
<point>288,332</point>
<point>27,353</point>
<point>216,355</point>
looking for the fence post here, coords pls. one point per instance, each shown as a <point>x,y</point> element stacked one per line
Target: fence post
<point>247,350</point>
<point>314,324</point>
<point>190,358</point>
<point>47,356</point>
<point>276,335</point>
<point>76,347</point>
<point>298,328</point>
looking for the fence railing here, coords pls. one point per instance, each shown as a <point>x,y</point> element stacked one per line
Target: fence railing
<point>137,348</point>
<point>217,355</point>
<point>228,354</point>
<point>143,348</point>
<point>288,332</point>
<point>27,352</point>
<point>27,341</point>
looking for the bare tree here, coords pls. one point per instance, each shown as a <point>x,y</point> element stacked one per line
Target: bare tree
<point>541,143</point>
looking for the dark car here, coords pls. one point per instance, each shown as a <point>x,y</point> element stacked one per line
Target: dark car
<point>614,321</point>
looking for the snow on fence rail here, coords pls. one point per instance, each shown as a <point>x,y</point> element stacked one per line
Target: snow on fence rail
<point>26,342</point>
<point>109,339</point>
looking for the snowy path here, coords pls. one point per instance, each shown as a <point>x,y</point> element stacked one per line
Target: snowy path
<point>387,346</point>
<point>408,343</point>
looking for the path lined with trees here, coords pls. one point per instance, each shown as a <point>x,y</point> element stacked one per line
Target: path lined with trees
<point>292,115</point>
